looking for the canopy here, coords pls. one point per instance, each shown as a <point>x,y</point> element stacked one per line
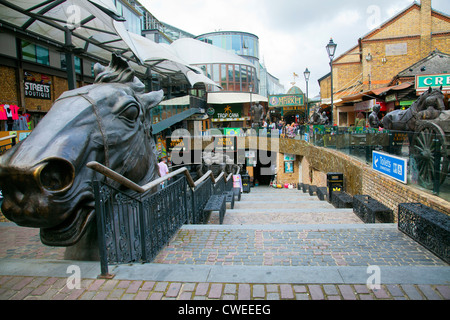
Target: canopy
<point>95,25</point>
<point>93,28</point>
<point>162,60</point>
<point>234,97</point>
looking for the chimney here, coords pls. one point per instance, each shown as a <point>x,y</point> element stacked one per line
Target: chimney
<point>425,28</point>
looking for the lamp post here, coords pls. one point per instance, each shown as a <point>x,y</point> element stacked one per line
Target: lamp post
<point>306,73</point>
<point>331,49</point>
<point>250,87</point>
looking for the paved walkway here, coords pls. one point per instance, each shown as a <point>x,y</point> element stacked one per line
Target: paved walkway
<point>274,245</point>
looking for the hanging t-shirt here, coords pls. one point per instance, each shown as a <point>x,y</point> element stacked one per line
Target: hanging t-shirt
<point>14,111</point>
<point>3,115</point>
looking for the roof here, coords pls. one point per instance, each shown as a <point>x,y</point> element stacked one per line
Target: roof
<point>198,52</point>
<point>376,92</point>
<point>97,30</point>
<point>164,124</point>
<point>436,62</point>
<point>295,90</point>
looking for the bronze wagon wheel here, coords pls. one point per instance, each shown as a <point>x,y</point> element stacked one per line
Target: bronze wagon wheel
<point>429,142</point>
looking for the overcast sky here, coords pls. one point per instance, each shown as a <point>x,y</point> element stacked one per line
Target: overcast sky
<point>292,33</point>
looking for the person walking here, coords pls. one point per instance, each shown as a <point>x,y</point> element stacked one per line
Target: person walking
<point>163,169</point>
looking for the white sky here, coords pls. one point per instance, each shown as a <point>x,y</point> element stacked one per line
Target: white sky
<point>292,33</point>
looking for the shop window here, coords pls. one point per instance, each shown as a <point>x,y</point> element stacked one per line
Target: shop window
<point>35,53</point>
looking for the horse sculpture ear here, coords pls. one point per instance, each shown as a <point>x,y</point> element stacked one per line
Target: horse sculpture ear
<point>151,99</point>
<point>429,89</point>
<point>98,68</point>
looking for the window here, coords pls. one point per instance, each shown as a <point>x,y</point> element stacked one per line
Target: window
<point>236,44</point>
<point>77,62</point>
<point>244,78</point>
<point>35,53</point>
<point>133,21</point>
<point>216,73</point>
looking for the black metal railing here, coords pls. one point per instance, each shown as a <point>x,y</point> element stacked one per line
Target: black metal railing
<point>133,226</point>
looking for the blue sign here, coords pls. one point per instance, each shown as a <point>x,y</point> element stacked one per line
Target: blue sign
<point>391,166</point>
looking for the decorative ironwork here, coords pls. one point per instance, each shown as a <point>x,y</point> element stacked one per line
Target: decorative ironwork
<point>429,227</point>
<point>369,209</point>
<point>200,197</point>
<point>134,228</point>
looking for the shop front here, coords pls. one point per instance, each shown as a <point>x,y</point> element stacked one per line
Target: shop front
<point>228,115</point>
<point>290,107</point>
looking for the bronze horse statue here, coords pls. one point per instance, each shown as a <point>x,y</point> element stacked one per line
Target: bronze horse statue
<point>44,179</point>
<point>428,106</point>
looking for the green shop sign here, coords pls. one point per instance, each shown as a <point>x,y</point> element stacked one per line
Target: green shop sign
<point>286,100</point>
<point>433,80</point>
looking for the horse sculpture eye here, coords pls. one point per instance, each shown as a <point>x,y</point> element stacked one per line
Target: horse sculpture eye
<point>131,113</point>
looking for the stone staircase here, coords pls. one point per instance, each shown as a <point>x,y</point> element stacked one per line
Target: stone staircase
<point>272,228</point>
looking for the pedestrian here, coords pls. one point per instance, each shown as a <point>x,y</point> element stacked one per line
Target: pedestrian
<point>163,169</point>
<point>280,127</point>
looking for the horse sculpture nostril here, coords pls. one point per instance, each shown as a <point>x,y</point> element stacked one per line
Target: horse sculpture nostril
<point>57,175</point>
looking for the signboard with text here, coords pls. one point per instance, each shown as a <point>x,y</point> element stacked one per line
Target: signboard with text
<point>423,82</point>
<point>392,166</point>
<point>37,90</point>
<point>286,100</point>
<point>225,143</point>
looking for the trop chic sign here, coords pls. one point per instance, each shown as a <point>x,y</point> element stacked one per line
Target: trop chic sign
<point>37,90</point>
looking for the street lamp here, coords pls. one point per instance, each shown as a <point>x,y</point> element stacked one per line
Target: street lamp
<point>306,73</point>
<point>331,49</point>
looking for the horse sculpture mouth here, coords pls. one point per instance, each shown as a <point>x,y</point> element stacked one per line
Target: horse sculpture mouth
<point>71,229</point>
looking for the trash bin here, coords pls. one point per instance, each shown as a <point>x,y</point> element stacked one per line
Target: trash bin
<point>335,182</point>
<point>245,182</point>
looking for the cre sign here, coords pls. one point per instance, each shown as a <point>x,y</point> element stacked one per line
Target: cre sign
<point>392,166</point>
<point>423,82</point>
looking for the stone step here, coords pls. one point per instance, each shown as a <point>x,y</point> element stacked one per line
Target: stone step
<point>295,245</point>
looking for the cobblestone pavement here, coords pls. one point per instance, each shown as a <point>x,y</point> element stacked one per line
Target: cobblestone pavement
<point>52,288</point>
<point>316,247</point>
<point>288,229</point>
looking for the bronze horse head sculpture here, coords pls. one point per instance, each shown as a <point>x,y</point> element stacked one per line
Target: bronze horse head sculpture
<point>428,106</point>
<point>44,179</point>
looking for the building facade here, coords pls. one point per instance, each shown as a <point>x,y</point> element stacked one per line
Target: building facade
<point>382,54</point>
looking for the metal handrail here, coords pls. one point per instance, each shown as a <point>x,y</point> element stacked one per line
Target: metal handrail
<point>8,137</point>
<point>100,168</point>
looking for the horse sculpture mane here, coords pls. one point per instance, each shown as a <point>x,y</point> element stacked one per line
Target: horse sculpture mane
<point>44,179</point>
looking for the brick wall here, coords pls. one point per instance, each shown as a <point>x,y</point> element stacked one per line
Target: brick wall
<point>417,28</point>
<point>391,193</point>
<point>359,178</point>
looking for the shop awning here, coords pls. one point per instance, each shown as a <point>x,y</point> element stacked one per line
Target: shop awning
<point>375,92</point>
<point>162,125</point>
<point>234,97</point>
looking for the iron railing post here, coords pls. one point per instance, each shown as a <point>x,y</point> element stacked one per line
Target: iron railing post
<point>101,233</point>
